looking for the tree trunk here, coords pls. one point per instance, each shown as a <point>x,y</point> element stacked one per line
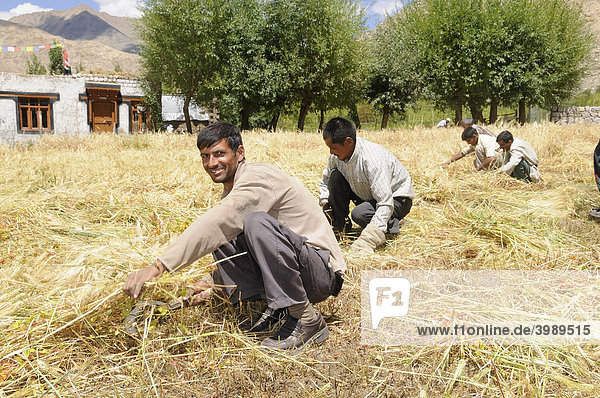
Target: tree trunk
<point>245,119</point>
<point>321,120</point>
<point>274,121</point>
<point>457,114</point>
<point>386,117</point>
<point>522,112</point>
<point>493,110</point>
<point>476,113</point>
<point>186,113</point>
<point>354,116</point>
<point>304,108</point>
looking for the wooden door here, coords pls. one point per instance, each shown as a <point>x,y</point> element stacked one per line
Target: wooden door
<point>103,117</point>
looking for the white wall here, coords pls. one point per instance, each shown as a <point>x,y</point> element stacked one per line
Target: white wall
<point>70,115</point>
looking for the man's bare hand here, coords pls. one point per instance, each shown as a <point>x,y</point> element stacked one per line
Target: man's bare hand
<point>135,281</point>
<point>198,292</point>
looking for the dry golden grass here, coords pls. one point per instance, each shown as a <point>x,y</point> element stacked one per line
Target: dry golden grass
<point>77,215</point>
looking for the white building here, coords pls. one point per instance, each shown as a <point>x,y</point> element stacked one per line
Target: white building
<point>81,104</point>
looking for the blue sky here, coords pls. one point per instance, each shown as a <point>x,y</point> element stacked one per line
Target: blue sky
<point>376,9</point>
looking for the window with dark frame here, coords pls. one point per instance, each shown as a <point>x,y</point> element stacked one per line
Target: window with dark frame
<point>34,114</point>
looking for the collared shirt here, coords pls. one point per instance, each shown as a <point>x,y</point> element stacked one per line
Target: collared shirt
<point>256,187</point>
<point>486,147</point>
<point>519,149</point>
<point>373,172</point>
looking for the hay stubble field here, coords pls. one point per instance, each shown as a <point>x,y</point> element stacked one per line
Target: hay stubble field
<point>78,214</point>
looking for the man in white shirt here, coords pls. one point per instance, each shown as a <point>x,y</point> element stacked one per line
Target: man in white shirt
<point>520,159</point>
<point>369,175</point>
<point>444,123</point>
<point>485,149</point>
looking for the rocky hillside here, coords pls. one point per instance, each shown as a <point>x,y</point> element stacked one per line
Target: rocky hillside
<point>84,23</point>
<point>591,10</point>
<point>84,55</point>
<point>95,41</point>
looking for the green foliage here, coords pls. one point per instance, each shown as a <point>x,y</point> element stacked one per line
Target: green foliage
<point>55,67</point>
<point>315,46</point>
<point>256,58</point>
<point>248,83</point>
<point>585,98</point>
<point>394,81</point>
<point>34,66</point>
<point>182,47</point>
<point>152,99</point>
<point>118,68</point>
<point>79,67</point>
<point>504,51</point>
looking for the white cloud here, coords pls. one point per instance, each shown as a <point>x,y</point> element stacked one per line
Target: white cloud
<point>120,8</point>
<point>25,8</point>
<point>385,7</point>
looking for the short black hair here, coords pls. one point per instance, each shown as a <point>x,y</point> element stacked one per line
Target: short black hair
<point>217,132</point>
<point>468,133</point>
<point>505,136</point>
<point>338,129</point>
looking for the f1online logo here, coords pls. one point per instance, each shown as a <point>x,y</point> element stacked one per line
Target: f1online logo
<point>388,298</point>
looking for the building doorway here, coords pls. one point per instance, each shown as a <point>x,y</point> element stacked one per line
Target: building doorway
<point>103,109</point>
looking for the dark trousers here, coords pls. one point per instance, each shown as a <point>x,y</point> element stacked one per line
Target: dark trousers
<point>278,264</point>
<point>521,172</point>
<point>340,195</point>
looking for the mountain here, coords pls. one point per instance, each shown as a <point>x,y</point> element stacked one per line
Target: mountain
<point>84,23</point>
<point>84,55</point>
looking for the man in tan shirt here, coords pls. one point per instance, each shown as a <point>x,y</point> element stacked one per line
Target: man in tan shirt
<point>283,247</point>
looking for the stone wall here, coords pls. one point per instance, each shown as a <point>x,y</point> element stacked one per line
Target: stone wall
<point>575,114</point>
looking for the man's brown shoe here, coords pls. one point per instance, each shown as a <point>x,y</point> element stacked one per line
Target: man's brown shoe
<point>294,335</point>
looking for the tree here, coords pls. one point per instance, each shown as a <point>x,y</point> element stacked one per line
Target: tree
<point>394,81</point>
<point>35,67</point>
<point>56,60</point>
<point>182,48</point>
<point>247,80</point>
<point>552,43</point>
<point>314,45</point>
<point>475,52</point>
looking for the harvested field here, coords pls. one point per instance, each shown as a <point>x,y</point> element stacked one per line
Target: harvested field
<point>77,215</point>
